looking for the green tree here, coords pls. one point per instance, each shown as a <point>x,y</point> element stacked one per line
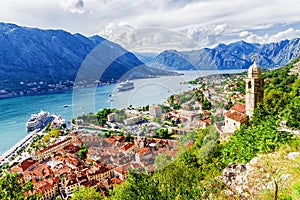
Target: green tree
<point>206,104</point>
<point>163,133</point>
<point>86,193</point>
<point>83,152</point>
<point>10,187</point>
<point>292,113</point>
<point>275,100</point>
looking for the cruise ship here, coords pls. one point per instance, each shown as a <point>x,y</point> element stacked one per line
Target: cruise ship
<point>39,120</point>
<point>126,85</point>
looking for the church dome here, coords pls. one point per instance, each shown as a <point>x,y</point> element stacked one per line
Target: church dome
<point>254,71</point>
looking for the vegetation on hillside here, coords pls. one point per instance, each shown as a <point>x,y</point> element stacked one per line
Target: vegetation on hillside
<point>193,173</point>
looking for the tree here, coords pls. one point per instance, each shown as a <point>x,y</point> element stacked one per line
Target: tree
<point>162,160</point>
<point>108,133</point>
<point>206,104</point>
<point>83,152</point>
<point>86,193</point>
<point>10,187</point>
<point>292,113</point>
<point>275,100</point>
<point>163,133</point>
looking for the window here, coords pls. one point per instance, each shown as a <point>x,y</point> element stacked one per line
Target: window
<point>249,84</point>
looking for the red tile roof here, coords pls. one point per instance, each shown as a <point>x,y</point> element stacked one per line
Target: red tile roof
<point>239,107</point>
<point>23,166</point>
<point>144,150</point>
<point>127,146</point>
<point>236,116</point>
<point>52,146</point>
<point>116,180</point>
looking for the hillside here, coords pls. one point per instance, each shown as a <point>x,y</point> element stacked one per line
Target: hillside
<point>237,55</point>
<point>31,55</point>
<point>249,166</point>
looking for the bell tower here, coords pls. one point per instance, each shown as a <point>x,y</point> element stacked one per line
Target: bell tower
<point>254,88</point>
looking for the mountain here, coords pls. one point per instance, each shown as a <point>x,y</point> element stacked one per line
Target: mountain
<point>145,57</point>
<point>237,55</point>
<point>29,55</point>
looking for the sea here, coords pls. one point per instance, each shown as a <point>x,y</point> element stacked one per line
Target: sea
<point>15,112</point>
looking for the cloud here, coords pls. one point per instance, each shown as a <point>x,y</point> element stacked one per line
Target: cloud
<point>289,33</point>
<point>147,39</point>
<point>206,22</point>
<point>206,36</point>
<point>74,6</point>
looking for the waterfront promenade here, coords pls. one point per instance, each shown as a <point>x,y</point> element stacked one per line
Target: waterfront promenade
<point>5,157</point>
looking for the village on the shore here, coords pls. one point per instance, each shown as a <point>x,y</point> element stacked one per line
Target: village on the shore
<point>101,149</point>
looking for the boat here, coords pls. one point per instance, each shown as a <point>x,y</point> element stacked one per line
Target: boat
<point>66,105</point>
<point>126,85</point>
<point>38,121</point>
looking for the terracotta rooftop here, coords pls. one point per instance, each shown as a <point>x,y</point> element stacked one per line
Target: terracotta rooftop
<point>239,107</point>
<point>144,150</point>
<point>52,146</point>
<point>237,116</point>
<point>127,146</point>
<point>116,180</point>
<point>23,166</point>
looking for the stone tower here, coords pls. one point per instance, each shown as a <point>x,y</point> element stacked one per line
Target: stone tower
<point>254,88</point>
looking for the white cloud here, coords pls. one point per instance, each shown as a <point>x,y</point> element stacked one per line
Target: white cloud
<point>147,39</point>
<point>206,36</point>
<point>287,34</point>
<point>74,6</point>
<point>208,22</point>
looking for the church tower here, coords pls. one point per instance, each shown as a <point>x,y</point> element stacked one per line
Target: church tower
<point>254,88</point>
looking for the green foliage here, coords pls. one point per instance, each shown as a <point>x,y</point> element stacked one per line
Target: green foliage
<point>291,113</point>
<point>191,175</point>
<point>86,193</point>
<point>247,143</point>
<point>275,100</point>
<point>10,187</point>
<point>163,133</point>
<point>206,104</point>
<point>241,86</point>
<point>296,190</point>
<point>83,152</point>
<point>102,116</point>
<point>162,160</point>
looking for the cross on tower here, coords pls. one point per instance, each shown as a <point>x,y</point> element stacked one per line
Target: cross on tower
<point>254,57</point>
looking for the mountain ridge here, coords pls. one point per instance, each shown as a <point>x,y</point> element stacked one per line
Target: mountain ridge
<point>29,55</point>
<point>237,55</point>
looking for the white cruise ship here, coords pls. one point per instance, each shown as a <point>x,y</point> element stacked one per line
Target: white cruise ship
<point>126,85</point>
<point>39,120</point>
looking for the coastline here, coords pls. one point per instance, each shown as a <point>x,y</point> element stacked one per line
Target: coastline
<point>216,72</point>
<point>15,94</point>
<point>4,158</point>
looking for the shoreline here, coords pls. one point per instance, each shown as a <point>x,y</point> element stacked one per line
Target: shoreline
<point>11,152</point>
<point>179,73</point>
<point>21,141</point>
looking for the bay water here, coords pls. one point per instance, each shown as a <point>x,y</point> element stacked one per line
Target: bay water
<point>15,112</point>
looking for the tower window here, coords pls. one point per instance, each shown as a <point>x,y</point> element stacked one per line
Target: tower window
<point>249,84</point>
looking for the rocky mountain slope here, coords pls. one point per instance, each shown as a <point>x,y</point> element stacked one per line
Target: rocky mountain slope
<point>54,56</point>
<point>237,55</point>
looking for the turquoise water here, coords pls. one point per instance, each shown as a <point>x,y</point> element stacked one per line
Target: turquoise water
<point>15,112</point>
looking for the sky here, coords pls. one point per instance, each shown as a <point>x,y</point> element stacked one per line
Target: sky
<point>159,24</point>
